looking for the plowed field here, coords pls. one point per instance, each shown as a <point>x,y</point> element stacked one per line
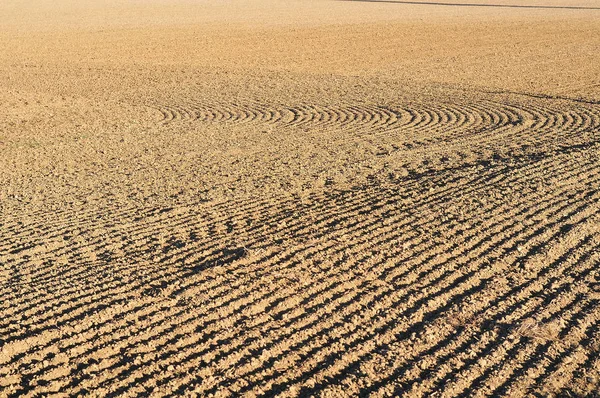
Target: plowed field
<point>300,198</point>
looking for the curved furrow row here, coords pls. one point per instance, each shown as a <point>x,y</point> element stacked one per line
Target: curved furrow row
<point>138,238</point>
<point>440,117</point>
<point>474,273</point>
<point>359,228</point>
<point>299,116</point>
<point>132,237</point>
<point>303,372</point>
<point>416,125</point>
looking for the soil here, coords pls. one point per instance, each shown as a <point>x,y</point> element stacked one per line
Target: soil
<point>300,198</point>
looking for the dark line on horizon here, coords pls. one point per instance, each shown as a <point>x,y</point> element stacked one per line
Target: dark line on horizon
<point>431,3</point>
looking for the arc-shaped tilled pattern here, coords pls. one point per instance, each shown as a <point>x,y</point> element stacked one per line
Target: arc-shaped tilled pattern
<point>478,278</point>
<point>410,125</point>
<point>299,115</point>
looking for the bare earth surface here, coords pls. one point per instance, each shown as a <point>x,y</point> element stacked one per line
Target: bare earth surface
<point>296,198</point>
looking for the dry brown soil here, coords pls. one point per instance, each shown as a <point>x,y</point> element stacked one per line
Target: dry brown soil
<point>300,198</point>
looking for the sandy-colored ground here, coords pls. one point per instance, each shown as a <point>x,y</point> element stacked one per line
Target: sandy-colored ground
<point>300,198</point>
